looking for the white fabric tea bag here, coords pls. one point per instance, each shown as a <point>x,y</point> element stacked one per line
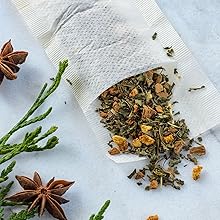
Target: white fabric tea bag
<point>107,41</point>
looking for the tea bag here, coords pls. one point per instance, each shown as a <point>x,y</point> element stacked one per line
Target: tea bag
<point>107,41</point>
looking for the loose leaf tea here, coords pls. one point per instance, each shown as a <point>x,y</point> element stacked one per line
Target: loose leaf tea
<point>197,88</point>
<point>139,114</point>
<point>154,36</point>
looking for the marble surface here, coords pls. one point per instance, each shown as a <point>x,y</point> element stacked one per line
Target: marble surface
<point>78,158</point>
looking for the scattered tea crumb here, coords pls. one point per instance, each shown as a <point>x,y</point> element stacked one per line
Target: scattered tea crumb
<point>177,113</point>
<point>139,175</point>
<point>199,139</point>
<point>196,172</point>
<point>199,150</point>
<point>153,217</point>
<point>132,174</point>
<point>154,36</point>
<point>196,88</point>
<point>52,79</point>
<point>69,82</point>
<point>65,102</point>
<point>175,71</point>
<point>169,51</point>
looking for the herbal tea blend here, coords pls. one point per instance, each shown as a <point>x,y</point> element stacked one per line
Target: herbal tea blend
<point>138,113</point>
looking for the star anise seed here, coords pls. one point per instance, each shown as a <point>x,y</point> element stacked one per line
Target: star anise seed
<point>44,197</point>
<point>9,61</point>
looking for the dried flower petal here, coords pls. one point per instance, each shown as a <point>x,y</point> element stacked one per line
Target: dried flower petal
<point>114,151</point>
<point>148,112</point>
<point>119,140</point>
<point>146,139</point>
<point>145,128</point>
<point>136,143</point>
<point>196,172</point>
<point>168,138</point>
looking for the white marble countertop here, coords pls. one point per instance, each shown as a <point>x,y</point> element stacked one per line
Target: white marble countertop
<point>77,158</point>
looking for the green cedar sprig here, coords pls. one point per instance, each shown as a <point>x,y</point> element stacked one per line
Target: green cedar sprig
<point>29,143</point>
<point>31,139</point>
<point>101,212</point>
<point>22,215</point>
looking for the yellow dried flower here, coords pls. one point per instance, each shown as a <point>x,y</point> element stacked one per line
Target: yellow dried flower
<point>146,139</point>
<point>153,217</point>
<point>145,128</point>
<point>136,143</point>
<point>168,138</point>
<point>114,151</point>
<point>121,142</point>
<point>196,172</point>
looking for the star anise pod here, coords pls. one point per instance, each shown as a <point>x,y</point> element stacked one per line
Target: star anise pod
<point>9,61</point>
<point>44,197</point>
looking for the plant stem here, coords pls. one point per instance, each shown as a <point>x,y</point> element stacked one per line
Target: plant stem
<point>43,95</point>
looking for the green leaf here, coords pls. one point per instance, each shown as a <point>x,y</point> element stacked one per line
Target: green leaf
<point>101,212</point>
<point>5,172</point>
<point>22,215</point>
<point>4,190</point>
